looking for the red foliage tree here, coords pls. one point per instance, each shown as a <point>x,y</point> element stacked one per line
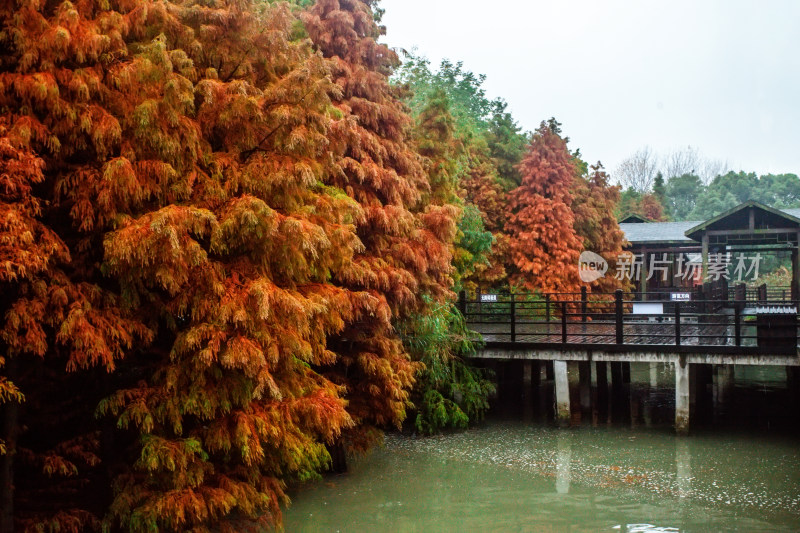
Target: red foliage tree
<point>594,206</point>
<point>170,231</point>
<point>544,247</point>
<point>650,207</point>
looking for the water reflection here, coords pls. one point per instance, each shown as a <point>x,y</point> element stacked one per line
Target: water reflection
<point>683,467</point>
<point>620,468</point>
<point>515,476</point>
<point>563,459</point>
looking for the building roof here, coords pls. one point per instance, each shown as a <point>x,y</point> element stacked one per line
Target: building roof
<point>676,232</point>
<point>658,232</point>
<point>633,218</point>
<point>760,217</point>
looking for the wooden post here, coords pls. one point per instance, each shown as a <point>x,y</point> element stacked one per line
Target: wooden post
<point>562,393</point>
<point>682,396</point>
<point>677,323</point>
<point>564,322</point>
<point>645,274</point>
<point>584,307</point>
<point>584,304</point>
<point>795,272</point>
<point>513,319</point>
<point>480,304</point>
<point>462,303</point>
<point>737,323</point>
<point>705,259</point>
<point>618,315</point>
<point>547,314</point>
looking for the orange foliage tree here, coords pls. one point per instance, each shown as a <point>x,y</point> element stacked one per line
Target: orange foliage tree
<point>595,202</point>
<point>407,235</point>
<point>179,241</point>
<point>543,244</point>
<point>481,188</point>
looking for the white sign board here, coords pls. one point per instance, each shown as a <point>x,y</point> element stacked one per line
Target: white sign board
<point>680,296</point>
<point>488,297</point>
<point>648,308</point>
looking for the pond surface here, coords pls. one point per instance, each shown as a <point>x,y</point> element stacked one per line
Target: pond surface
<point>515,475</point>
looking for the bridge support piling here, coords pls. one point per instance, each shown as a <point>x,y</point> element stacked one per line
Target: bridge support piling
<point>793,380</point>
<point>527,374</point>
<point>682,397</point>
<point>563,415</point>
<point>653,375</point>
<point>527,391</point>
<point>585,373</point>
<point>723,377</point>
<point>602,391</point>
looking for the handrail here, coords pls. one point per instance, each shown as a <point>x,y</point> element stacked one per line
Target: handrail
<point>597,319</point>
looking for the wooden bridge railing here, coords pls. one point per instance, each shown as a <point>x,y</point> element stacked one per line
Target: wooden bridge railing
<point>623,321</point>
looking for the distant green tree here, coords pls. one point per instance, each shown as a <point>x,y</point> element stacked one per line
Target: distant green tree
<point>784,189</point>
<point>506,144</point>
<point>660,192</point>
<point>726,191</point>
<point>743,186</point>
<point>712,203</point>
<point>682,194</point>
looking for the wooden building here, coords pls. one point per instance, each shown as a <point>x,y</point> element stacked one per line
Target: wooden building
<point>672,257</point>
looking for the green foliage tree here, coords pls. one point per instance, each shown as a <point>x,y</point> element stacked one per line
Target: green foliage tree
<point>682,194</point>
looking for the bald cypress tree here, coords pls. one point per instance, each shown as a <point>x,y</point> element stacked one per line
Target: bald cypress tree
<point>407,236</point>
<point>544,247</point>
<point>173,230</point>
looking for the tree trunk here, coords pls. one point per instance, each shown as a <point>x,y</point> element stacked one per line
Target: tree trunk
<point>338,457</point>
<point>10,414</point>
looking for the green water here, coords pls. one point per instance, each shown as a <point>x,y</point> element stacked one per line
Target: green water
<point>518,477</point>
<point>736,472</point>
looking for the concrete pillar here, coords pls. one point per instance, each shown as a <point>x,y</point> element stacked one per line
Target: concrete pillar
<point>602,391</point>
<point>620,410</point>
<point>585,373</point>
<point>682,397</point>
<point>723,377</point>
<point>654,375</point>
<point>563,415</point>
<point>527,374</point>
<point>616,378</point>
<point>527,391</point>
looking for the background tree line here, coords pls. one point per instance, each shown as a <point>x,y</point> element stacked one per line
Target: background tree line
<point>683,185</point>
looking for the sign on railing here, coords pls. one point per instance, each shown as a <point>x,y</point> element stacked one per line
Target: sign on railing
<point>680,296</point>
<point>488,298</point>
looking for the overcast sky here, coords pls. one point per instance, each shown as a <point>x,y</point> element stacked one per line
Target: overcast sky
<point>720,75</point>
